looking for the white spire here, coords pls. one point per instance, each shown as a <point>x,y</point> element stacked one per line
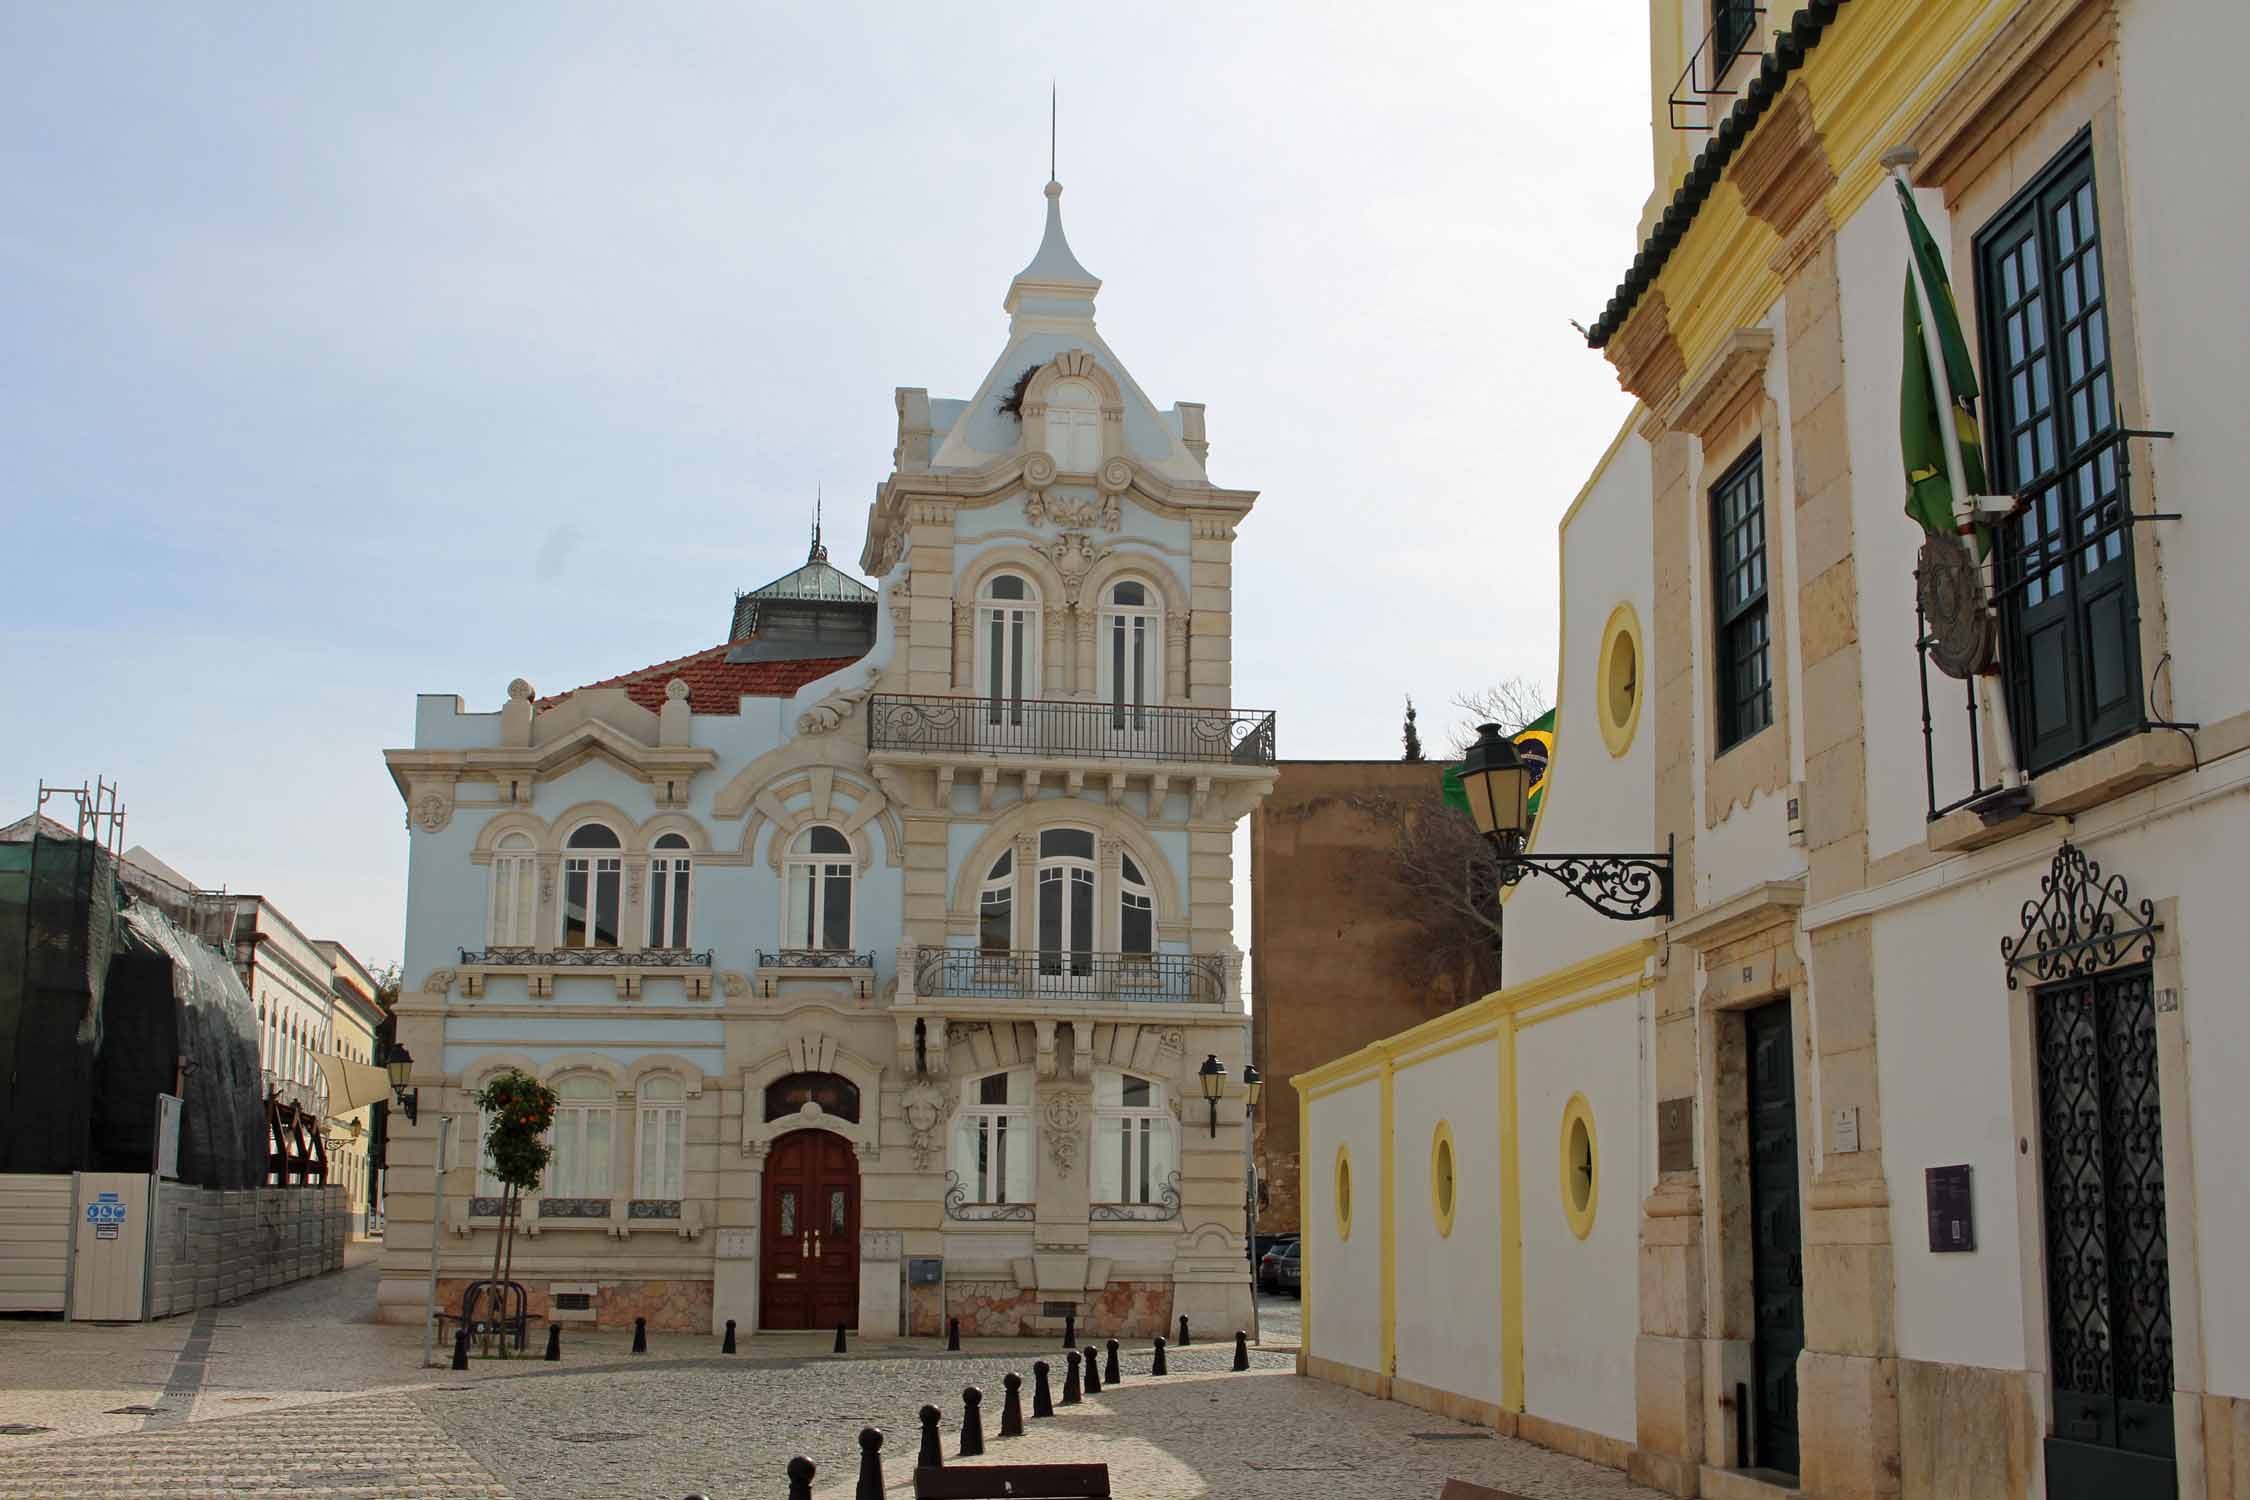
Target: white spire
<point>1054,283</point>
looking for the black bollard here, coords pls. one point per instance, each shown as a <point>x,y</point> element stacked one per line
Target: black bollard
<point>1093,1372</point>
<point>554,1342</point>
<point>461,1347</point>
<point>1070,1382</point>
<point>728,1346</point>
<point>1156,1365</point>
<point>1042,1399</point>
<point>953,1335</point>
<point>870,1485</point>
<point>839,1338</point>
<point>801,1471</point>
<point>931,1456</point>
<point>1070,1329</point>
<point>972,1422</point>
<point>640,1335</point>
<point>1011,1407</point>
<point>1183,1331</point>
<point>1241,1350</point>
<point>1110,1374</point>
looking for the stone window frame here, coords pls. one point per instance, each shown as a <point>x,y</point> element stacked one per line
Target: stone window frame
<point>548,836</point>
<point>1621,630</point>
<point>1733,705</point>
<point>1020,1116</point>
<point>1445,1178</point>
<point>1580,1216</point>
<point>1340,1195</point>
<point>1157,1114</point>
<point>1114,829</point>
<point>789,860</point>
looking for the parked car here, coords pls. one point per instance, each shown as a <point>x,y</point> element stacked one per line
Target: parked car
<point>1268,1275</point>
<point>1289,1270</point>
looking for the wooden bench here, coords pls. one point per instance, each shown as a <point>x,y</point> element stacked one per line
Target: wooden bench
<point>1013,1482</point>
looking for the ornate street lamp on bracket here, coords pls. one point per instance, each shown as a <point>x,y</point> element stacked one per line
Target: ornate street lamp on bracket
<point>1213,1075</point>
<point>399,1063</point>
<point>1625,887</point>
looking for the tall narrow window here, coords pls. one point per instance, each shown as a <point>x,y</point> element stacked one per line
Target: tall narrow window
<point>1074,427</point>
<point>2067,597</point>
<point>593,879</point>
<point>1066,902</point>
<point>1134,1153</point>
<point>1738,541</point>
<point>1733,23</point>
<point>514,887</point>
<point>1136,916</point>
<point>996,907</point>
<point>992,1139</point>
<point>1007,647</point>
<point>663,1138</point>
<point>820,873</point>
<point>581,1139</point>
<point>668,876</point>
<point>1132,652</point>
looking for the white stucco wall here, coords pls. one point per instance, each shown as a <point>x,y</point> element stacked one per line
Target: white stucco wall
<point>1344,1277</point>
<point>1581,1305</point>
<point>1449,1328</point>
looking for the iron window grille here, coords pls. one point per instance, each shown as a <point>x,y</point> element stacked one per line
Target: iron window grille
<point>1734,30</point>
<point>1738,544</point>
<point>588,958</point>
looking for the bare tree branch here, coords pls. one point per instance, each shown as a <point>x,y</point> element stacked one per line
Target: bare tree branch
<point>1511,704</point>
<point>1444,882</point>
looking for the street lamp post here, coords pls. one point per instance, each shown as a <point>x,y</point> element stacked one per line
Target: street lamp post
<point>1254,1088</point>
<point>1213,1076</point>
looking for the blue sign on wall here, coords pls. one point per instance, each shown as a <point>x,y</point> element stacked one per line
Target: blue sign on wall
<point>106,1213</point>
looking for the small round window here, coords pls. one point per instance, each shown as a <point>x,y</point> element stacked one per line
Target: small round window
<point>1581,1166</point>
<point>1441,1178</point>
<point>1343,1193</point>
<point>1618,677</point>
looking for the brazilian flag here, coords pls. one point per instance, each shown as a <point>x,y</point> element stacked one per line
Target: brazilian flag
<point>1929,491</point>
<point>1535,742</point>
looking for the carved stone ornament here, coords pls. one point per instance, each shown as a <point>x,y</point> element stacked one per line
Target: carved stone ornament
<point>1115,478</point>
<point>432,812</point>
<point>894,546</point>
<point>1170,1039</point>
<point>736,985</point>
<point>1951,590</point>
<point>1074,554</point>
<point>1038,473</point>
<point>829,714</point>
<point>438,982</point>
<point>1040,510</point>
<point>925,1104</point>
<point>1063,1114</point>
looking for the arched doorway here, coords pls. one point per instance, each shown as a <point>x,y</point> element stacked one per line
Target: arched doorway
<point>809,1251</point>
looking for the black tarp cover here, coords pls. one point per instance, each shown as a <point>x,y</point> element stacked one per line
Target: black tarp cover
<point>222,1130</point>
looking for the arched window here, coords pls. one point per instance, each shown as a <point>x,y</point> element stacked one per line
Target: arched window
<point>663,1138</point>
<point>1136,915</point>
<point>1131,652</point>
<point>668,875</point>
<point>992,1138</point>
<point>819,872</point>
<point>996,906</point>
<point>1134,1154</point>
<point>514,889</point>
<point>593,881</point>
<point>1007,646</point>
<point>581,1139</point>
<point>1074,427</point>
<point>1066,902</point>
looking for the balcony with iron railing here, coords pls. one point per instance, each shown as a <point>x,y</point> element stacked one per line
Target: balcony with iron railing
<point>629,968</point>
<point>1058,976</point>
<point>1062,730</point>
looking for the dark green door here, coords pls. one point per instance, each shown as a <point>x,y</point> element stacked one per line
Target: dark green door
<point>1777,1265</point>
<point>2109,1292</point>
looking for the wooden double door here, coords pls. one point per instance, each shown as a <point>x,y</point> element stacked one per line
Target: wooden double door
<point>1777,1264</point>
<point>809,1251</point>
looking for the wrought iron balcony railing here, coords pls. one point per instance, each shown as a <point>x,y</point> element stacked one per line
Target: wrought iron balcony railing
<point>587,958</point>
<point>1049,974</point>
<point>814,958</point>
<point>1092,731</point>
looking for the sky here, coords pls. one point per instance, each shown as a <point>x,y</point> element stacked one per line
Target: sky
<point>350,353</point>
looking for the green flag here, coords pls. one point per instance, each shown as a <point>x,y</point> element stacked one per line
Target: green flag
<point>1929,490</point>
<point>1535,742</point>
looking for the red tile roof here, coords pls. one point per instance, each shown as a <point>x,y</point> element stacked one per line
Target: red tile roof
<point>715,685</point>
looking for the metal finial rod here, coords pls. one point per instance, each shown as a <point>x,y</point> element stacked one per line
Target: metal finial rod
<point>1054,93</point>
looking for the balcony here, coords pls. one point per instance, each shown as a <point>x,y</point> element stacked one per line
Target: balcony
<point>628,967</point>
<point>1051,729</point>
<point>1048,975</point>
<point>813,970</point>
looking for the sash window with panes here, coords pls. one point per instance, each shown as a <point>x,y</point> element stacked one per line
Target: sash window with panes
<point>1007,647</point>
<point>1134,1153</point>
<point>1074,427</point>
<point>1131,653</point>
<point>580,1137</point>
<point>992,1138</point>
<point>669,875</point>
<point>1066,902</point>
<point>996,907</point>
<point>820,873</point>
<point>2068,607</point>
<point>662,1138</point>
<point>514,892</point>
<point>1738,543</point>
<point>593,885</point>
<point>1136,914</point>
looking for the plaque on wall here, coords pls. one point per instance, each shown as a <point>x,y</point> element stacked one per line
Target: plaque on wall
<point>1953,1224</point>
<point>925,1270</point>
<point>1675,1135</point>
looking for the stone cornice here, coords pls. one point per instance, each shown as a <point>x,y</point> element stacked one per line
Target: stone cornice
<point>2037,51</point>
<point>1784,175</point>
<point>1646,355</point>
<point>1708,400</point>
<point>651,764</point>
<point>1768,904</point>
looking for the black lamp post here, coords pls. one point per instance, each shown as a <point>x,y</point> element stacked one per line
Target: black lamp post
<point>1254,1091</point>
<point>1626,887</point>
<point>1213,1074</point>
<point>399,1063</point>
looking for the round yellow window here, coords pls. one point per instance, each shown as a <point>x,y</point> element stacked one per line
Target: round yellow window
<point>1617,679</point>
<point>1441,1178</point>
<point>1343,1193</point>
<point>1581,1166</point>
